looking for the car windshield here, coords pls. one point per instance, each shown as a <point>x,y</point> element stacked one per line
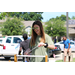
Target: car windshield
<point>61,43</point>
<point>72,43</point>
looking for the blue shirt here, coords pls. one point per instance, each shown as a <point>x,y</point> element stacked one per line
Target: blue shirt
<point>66,43</point>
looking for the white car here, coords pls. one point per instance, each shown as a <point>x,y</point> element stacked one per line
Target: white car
<point>12,46</point>
<point>72,43</point>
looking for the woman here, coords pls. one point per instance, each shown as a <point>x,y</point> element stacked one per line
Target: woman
<point>39,38</point>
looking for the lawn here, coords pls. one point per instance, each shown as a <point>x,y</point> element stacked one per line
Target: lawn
<point>63,61</point>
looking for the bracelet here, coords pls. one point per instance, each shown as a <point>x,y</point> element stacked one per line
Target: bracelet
<point>46,45</point>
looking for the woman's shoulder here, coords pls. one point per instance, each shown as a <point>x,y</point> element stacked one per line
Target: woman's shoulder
<point>48,39</point>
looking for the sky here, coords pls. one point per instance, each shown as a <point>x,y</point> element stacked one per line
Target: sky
<point>47,15</point>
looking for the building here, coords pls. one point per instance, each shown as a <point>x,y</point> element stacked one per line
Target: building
<point>28,25</point>
<point>71,25</point>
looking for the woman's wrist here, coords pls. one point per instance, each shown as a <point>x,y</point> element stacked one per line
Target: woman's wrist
<point>46,45</point>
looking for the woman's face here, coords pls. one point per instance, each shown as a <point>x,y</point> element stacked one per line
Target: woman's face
<point>37,29</point>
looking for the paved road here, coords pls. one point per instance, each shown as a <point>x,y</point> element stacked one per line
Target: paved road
<point>58,57</point>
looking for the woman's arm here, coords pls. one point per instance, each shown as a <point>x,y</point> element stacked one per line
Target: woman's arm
<point>51,46</point>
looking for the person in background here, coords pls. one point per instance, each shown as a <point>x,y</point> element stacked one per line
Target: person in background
<point>29,37</point>
<point>55,40</point>
<point>24,45</point>
<point>67,48</point>
<point>39,38</point>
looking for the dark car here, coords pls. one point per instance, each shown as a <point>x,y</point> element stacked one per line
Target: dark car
<point>55,51</point>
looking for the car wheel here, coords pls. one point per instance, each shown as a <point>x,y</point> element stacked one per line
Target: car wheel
<point>7,58</point>
<point>51,56</point>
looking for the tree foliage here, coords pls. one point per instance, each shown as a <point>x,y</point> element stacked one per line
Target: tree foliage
<point>55,28</point>
<point>73,17</point>
<point>2,15</point>
<point>26,15</point>
<point>12,27</point>
<point>62,18</point>
<point>57,25</point>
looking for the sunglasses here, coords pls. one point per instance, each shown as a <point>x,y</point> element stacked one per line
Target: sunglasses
<point>35,28</point>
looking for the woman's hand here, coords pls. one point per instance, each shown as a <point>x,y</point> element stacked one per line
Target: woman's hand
<point>41,44</point>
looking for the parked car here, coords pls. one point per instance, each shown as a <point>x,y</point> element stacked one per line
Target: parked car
<point>55,51</point>
<point>12,46</point>
<point>72,43</point>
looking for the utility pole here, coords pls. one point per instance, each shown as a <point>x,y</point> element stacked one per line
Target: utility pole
<point>67,25</point>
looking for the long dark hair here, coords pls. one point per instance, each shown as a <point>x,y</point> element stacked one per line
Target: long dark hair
<point>34,35</point>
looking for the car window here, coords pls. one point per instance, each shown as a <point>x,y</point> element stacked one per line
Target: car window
<point>16,40</point>
<point>8,40</point>
<point>72,43</point>
<point>61,43</point>
<point>1,41</point>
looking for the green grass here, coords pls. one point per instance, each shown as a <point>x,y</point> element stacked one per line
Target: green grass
<point>63,61</point>
<point>73,60</point>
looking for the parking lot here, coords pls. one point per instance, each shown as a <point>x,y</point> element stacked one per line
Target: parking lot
<point>58,57</point>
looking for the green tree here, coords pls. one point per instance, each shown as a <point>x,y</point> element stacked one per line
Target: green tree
<point>2,15</point>
<point>62,18</point>
<point>55,28</point>
<point>26,15</point>
<point>73,17</point>
<point>12,27</point>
